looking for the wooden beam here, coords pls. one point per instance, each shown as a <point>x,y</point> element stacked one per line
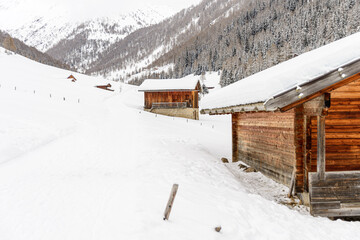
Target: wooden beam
<point>292,183</point>
<point>321,92</point>
<point>171,201</point>
<point>307,153</point>
<point>321,147</point>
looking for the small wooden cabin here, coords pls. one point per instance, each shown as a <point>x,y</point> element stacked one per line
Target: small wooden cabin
<point>300,121</point>
<point>73,79</point>
<point>105,87</point>
<point>172,97</point>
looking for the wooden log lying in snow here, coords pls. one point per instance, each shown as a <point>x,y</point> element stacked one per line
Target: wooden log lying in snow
<point>171,201</point>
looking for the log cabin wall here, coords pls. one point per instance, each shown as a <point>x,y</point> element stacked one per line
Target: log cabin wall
<point>170,97</point>
<point>266,141</point>
<point>342,130</point>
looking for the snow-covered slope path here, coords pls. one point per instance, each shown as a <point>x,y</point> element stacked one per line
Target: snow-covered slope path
<point>103,169</point>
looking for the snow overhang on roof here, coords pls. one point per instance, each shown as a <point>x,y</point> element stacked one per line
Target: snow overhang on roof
<point>188,83</point>
<point>286,83</point>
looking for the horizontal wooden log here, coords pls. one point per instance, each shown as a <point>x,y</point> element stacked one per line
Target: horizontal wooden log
<point>348,88</point>
<point>343,115</point>
<point>340,193</point>
<point>277,163</point>
<point>354,149</point>
<point>348,94</point>
<point>263,149</point>
<point>337,142</point>
<point>337,187</point>
<point>337,175</point>
<point>325,205</point>
<point>340,135</point>
<point>338,129</point>
<point>344,101</point>
<point>269,123</point>
<point>342,212</point>
<point>337,168</point>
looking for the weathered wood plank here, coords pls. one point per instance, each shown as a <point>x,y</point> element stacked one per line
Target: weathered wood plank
<point>335,195</point>
<point>325,205</point>
<point>177,96</point>
<point>292,183</point>
<point>321,146</point>
<point>342,212</point>
<point>170,201</point>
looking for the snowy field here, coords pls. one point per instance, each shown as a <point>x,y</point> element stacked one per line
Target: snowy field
<point>95,166</point>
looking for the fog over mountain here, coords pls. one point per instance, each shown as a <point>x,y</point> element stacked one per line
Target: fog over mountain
<point>77,32</point>
<point>134,40</point>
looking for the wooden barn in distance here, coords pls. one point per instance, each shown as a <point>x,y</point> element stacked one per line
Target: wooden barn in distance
<point>300,120</point>
<point>172,97</point>
<point>73,79</point>
<point>105,87</point>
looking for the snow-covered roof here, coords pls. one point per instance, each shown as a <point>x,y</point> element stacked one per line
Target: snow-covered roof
<point>263,86</point>
<point>187,83</point>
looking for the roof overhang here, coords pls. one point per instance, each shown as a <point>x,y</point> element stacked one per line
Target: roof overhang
<point>254,107</point>
<point>314,88</point>
<point>297,95</point>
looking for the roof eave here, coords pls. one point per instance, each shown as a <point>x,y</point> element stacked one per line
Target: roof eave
<point>299,94</point>
<point>253,107</point>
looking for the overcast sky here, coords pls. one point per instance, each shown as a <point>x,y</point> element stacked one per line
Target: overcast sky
<point>100,5</point>
<point>14,13</point>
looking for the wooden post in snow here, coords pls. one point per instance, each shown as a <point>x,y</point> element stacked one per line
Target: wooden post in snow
<point>171,201</point>
<point>321,147</point>
<point>292,184</point>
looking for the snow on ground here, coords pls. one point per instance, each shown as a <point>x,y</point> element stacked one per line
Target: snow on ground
<point>103,169</point>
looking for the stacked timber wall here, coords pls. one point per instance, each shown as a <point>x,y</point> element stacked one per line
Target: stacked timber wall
<point>335,196</point>
<point>190,113</point>
<point>170,97</point>
<point>266,141</point>
<point>342,130</point>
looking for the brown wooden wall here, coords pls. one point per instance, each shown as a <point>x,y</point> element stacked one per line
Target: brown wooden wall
<point>170,97</point>
<point>342,130</point>
<point>266,141</point>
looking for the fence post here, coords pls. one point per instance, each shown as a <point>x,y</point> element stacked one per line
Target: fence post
<point>171,201</point>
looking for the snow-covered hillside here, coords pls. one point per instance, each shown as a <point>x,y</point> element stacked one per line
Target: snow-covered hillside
<point>43,24</point>
<point>101,168</point>
<point>77,32</point>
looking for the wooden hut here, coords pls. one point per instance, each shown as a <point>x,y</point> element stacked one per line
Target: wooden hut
<point>105,87</point>
<point>300,121</point>
<point>73,79</point>
<point>172,97</point>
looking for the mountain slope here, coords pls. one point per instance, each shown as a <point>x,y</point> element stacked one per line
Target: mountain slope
<point>17,46</point>
<point>143,46</point>
<point>238,38</point>
<point>261,34</point>
<point>87,41</point>
<point>77,32</point>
